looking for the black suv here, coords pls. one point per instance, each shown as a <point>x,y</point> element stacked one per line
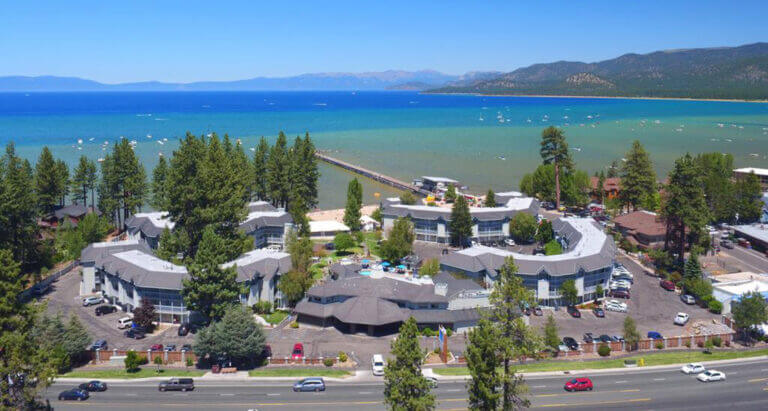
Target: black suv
<point>177,384</point>
<point>588,338</point>
<point>136,333</point>
<point>105,309</point>
<point>571,343</point>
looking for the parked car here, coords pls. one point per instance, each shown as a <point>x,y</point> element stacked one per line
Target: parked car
<point>105,309</point>
<point>309,384</point>
<point>124,322</point>
<point>617,338</point>
<point>330,246</point>
<point>571,343</point>
<point>620,293</point>
<point>681,318</point>
<point>726,244</point>
<point>136,333</point>
<point>41,288</point>
<point>573,311</point>
<point>92,301</point>
<point>184,329</point>
<point>711,375</point>
<point>744,243</point>
<point>537,311</point>
<point>693,368</point>
<point>688,299</point>
<point>93,386</point>
<point>667,285</point>
<point>614,305</point>
<point>605,338</point>
<point>377,364</point>
<point>186,348</point>
<point>509,242</point>
<point>654,335</point>
<point>432,381</point>
<point>177,384</point>
<point>579,384</point>
<point>613,285</point>
<point>298,351</point>
<point>75,394</point>
<point>99,345</point>
<point>588,338</point>
<point>598,312</point>
<point>156,347</point>
<point>170,347</point>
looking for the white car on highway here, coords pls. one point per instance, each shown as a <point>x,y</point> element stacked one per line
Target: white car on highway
<point>693,368</point>
<point>681,318</point>
<point>377,364</point>
<point>711,375</point>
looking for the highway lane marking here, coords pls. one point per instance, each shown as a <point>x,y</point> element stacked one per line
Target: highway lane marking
<point>226,395</point>
<point>364,392</point>
<point>273,394</point>
<point>659,379</point>
<point>453,390</point>
<point>588,392</point>
<point>539,386</point>
<point>582,404</point>
<point>758,379</point>
<point>621,382</point>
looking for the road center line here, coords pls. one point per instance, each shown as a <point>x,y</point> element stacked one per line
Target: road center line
<point>364,392</point>
<point>226,395</point>
<point>272,394</point>
<point>659,379</point>
<point>621,382</point>
<point>539,386</point>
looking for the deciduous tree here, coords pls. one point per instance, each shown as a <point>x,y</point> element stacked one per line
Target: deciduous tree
<point>749,311</point>
<point>399,242</point>
<point>569,292</point>
<point>551,339</point>
<point>144,315</point>
<point>631,335</point>
<point>522,227</point>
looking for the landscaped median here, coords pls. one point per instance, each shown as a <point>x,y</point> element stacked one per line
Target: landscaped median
<point>300,372</point>
<point>662,358</point>
<point>123,374</point>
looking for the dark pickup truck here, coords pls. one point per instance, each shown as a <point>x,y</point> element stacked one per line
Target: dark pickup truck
<point>177,384</point>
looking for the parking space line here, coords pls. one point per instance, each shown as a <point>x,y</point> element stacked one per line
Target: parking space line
<point>272,395</point>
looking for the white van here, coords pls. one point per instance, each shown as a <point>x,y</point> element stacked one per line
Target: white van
<point>377,364</point>
<point>124,322</point>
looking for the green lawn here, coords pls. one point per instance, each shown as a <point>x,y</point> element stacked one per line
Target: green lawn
<point>276,317</point>
<point>145,372</point>
<point>299,372</point>
<point>658,358</point>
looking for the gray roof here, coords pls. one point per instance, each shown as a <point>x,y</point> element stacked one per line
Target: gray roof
<point>515,205</point>
<point>262,263</point>
<point>345,270</point>
<point>96,251</point>
<point>144,270</point>
<point>589,249</point>
<point>446,316</point>
<point>386,288</point>
<point>260,206</point>
<point>257,219</point>
<point>73,210</point>
<point>150,224</point>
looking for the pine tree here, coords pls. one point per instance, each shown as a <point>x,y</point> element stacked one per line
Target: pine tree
<point>692,269</point>
<point>461,223</point>
<point>551,339</point>
<point>748,193</point>
<point>12,283</point>
<point>46,182</point>
<point>638,180</point>
<point>601,187</point>
<point>79,182</point>
<point>450,194</point>
<point>299,215</point>
<point>62,181</point>
<point>159,193</point>
<point>18,208</point>
<point>278,172</point>
<point>554,150</point>
<point>685,209</point>
<point>405,388</point>
<point>310,173</point>
<point>352,212</point>
<point>515,338</point>
<point>123,183</point>
<point>613,169</point>
<point>490,199</point>
<point>210,288</point>
<point>260,186</point>
<point>483,365</point>
<point>719,190</point>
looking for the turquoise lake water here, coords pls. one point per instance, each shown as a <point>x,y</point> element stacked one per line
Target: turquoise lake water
<point>485,142</point>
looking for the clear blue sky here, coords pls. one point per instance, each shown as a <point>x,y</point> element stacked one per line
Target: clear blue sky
<point>184,41</point>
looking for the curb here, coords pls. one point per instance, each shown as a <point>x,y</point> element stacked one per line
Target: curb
<point>208,377</point>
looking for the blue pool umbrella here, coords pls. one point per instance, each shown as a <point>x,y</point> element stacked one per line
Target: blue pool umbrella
<point>401,266</point>
<point>365,261</point>
<point>385,264</point>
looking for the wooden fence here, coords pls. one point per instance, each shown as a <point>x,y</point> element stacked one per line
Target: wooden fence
<point>169,357</point>
<point>648,344</point>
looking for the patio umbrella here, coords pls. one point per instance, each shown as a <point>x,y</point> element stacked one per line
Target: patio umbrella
<point>401,267</point>
<point>365,261</point>
<point>385,264</point>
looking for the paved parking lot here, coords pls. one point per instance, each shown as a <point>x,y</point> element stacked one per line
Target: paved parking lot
<point>652,307</point>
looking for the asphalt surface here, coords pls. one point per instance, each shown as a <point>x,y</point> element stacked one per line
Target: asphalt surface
<point>751,259</point>
<point>745,389</point>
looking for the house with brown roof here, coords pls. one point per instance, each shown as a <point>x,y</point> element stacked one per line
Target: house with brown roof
<point>611,187</point>
<point>642,228</point>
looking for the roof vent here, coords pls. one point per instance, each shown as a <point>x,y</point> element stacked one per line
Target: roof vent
<point>441,289</point>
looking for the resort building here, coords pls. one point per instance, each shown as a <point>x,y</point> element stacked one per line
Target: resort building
<point>729,290</point>
<point>761,173</point>
<point>377,304</point>
<point>587,259</point>
<point>435,184</point>
<point>71,214</point>
<point>326,229</point>
<point>756,234</point>
<point>266,224</point>
<point>431,224</point>
<point>644,229</point>
<point>148,227</point>
<point>611,187</point>
<point>126,272</point>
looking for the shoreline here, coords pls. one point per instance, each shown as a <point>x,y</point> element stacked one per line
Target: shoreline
<point>722,100</point>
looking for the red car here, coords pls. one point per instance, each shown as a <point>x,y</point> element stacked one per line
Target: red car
<point>667,285</point>
<point>573,311</point>
<point>156,347</point>
<point>298,351</point>
<point>579,384</point>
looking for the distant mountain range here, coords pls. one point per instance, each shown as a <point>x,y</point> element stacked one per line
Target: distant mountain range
<point>385,80</point>
<point>726,72</point>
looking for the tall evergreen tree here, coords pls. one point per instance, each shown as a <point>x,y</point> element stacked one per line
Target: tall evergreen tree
<point>299,215</point>
<point>554,150</point>
<point>684,210</point>
<point>83,180</point>
<point>310,173</point>
<point>278,172</point>
<point>210,288</point>
<point>62,181</point>
<point>748,193</point>
<point>613,169</point>
<point>124,183</point>
<point>490,199</point>
<point>46,181</point>
<point>692,269</point>
<point>261,181</point>
<point>515,338</point>
<point>159,192</point>
<point>18,208</point>
<point>483,364</point>
<point>638,180</point>
<point>461,223</point>
<point>352,211</point>
<point>551,339</point>
<point>719,191</point>
<point>601,187</point>
<point>405,387</point>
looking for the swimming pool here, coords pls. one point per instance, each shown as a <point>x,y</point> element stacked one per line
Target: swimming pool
<point>365,272</point>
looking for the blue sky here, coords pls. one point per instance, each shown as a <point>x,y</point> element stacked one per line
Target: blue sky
<point>184,41</point>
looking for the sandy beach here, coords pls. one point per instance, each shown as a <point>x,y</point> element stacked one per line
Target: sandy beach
<point>338,214</point>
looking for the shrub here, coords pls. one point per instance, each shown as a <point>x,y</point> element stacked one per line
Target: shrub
<point>343,356</point>
<point>328,362</point>
<point>717,341</point>
<point>715,307</point>
<point>190,362</point>
<point>604,350</point>
<point>436,351</point>
<point>449,331</point>
<point>700,344</point>
<point>727,343</point>
<point>294,324</point>
<point>659,345</point>
<point>158,361</point>
<point>688,344</point>
<point>262,307</point>
<point>427,332</point>
<point>705,300</point>
<point>132,361</point>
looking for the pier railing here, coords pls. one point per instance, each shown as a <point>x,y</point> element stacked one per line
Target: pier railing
<point>381,178</point>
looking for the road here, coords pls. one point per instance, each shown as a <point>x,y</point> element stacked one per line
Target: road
<point>753,260</point>
<point>745,389</point>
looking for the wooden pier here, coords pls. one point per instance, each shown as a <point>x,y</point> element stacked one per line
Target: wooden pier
<point>381,178</point>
